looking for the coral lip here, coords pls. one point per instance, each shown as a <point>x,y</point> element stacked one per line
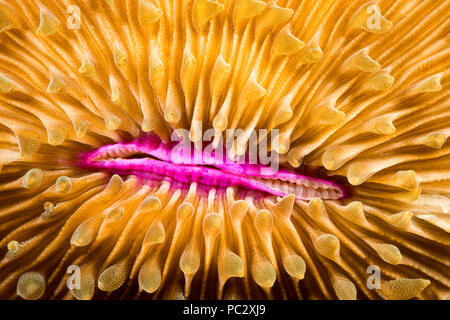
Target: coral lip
<point>160,161</point>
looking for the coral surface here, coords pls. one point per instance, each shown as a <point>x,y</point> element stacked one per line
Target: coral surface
<point>92,206</point>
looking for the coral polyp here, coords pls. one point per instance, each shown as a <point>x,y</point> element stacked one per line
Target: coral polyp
<point>181,162</point>
<point>96,203</point>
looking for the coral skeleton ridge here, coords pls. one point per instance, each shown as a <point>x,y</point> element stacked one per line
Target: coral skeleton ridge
<point>92,91</point>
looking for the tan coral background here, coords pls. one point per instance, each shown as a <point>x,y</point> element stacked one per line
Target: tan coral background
<point>359,88</point>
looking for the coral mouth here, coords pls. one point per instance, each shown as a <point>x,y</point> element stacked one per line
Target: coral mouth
<point>153,161</point>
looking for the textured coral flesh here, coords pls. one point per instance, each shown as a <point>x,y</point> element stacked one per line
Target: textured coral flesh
<point>358,91</point>
<point>185,164</point>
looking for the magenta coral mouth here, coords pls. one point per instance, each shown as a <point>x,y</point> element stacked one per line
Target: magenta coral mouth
<point>152,160</point>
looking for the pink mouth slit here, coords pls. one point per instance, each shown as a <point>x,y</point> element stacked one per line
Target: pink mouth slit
<point>150,159</point>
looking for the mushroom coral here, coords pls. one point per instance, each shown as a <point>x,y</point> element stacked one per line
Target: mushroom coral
<point>357,90</point>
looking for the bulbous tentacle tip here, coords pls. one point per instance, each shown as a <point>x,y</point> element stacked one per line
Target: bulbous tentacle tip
<point>31,286</point>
